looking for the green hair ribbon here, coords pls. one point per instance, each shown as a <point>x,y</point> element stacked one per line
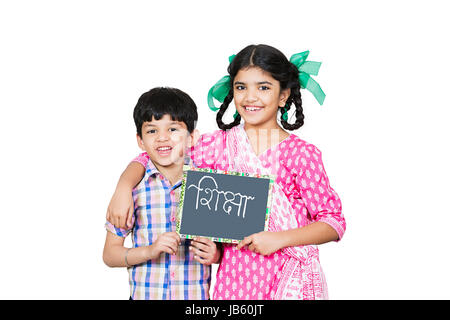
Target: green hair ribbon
<point>306,69</point>
<point>220,90</point>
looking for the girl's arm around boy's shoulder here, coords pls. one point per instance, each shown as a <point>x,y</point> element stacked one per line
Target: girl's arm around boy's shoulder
<point>206,153</point>
<point>121,207</point>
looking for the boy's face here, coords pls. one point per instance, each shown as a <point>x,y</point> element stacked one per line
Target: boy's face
<point>165,141</point>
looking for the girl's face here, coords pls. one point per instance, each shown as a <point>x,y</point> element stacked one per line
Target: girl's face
<point>257,97</point>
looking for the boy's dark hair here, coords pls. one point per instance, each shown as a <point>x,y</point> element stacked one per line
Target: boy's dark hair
<point>160,101</point>
<point>275,62</point>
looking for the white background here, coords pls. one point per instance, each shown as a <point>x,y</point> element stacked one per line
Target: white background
<point>72,71</point>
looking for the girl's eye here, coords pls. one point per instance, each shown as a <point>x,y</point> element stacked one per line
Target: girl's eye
<point>240,87</point>
<point>263,88</point>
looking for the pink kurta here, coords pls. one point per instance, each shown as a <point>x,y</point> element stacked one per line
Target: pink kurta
<point>302,195</point>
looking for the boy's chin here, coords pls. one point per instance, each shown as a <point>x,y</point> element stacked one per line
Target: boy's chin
<point>171,162</point>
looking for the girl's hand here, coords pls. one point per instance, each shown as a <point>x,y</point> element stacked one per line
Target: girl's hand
<point>205,251</point>
<point>121,209</point>
<point>264,243</point>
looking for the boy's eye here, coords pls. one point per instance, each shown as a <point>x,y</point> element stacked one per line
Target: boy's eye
<point>173,129</point>
<point>151,131</point>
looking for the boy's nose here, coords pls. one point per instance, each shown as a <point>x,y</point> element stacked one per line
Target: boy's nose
<point>163,136</point>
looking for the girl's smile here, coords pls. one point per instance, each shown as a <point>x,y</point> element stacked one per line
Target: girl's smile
<point>251,108</point>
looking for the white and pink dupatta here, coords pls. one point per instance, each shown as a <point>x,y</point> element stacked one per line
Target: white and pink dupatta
<point>301,276</point>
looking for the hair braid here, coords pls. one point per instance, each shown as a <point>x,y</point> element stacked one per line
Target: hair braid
<point>295,98</point>
<point>221,112</point>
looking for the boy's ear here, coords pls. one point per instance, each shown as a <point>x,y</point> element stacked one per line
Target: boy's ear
<point>195,135</point>
<point>140,142</point>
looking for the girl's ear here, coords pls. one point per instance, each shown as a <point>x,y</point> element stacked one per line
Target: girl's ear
<point>140,142</point>
<point>284,95</point>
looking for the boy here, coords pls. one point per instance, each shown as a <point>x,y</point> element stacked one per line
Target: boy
<point>160,264</point>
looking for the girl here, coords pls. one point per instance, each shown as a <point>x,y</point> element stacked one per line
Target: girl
<point>282,263</point>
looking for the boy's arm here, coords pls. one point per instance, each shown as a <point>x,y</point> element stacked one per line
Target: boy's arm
<point>116,255</point>
<point>121,207</point>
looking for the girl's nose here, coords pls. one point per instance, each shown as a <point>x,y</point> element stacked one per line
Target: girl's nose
<point>251,95</point>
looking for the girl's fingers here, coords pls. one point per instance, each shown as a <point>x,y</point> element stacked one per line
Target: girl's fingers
<point>117,222</point>
<point>245,242</point>
<point>130,217</point>
<point>252,248</point>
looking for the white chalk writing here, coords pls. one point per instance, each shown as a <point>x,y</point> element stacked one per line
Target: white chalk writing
<point>230,197</point>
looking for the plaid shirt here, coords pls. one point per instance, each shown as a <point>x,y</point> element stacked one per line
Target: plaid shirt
<point>170,277</point>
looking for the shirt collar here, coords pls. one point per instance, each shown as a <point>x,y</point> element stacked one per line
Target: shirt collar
<point>152,171</point>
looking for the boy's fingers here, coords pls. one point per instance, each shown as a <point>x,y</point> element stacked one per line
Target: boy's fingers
<point>168,250</point>
<point>175,236</point>
<point>170,241</point>
<point>204,241</point>
<point>200,246</point>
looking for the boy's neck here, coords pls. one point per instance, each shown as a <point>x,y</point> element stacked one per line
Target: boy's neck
<point>173,173</point>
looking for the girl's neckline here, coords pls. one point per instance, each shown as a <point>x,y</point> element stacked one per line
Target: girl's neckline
<point>276,145</point>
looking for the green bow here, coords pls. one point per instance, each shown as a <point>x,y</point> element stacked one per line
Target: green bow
<point>220,90</point>
<point>306,69</point>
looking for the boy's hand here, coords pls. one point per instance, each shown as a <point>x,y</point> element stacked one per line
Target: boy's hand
<point>120,209</point>
<point>205,251</point>
<point>167,242</point>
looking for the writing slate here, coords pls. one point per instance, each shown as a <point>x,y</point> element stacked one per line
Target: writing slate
<point>223,206</point>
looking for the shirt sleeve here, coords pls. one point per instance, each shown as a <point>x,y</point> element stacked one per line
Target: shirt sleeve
<point>142,159</point>
<point>117,231</point>
<point>209,151</point>
<point>322,202</point>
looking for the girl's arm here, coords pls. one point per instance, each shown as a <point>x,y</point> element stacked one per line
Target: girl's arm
<point>324,207</point>
<point>121,207</point>
<point>266,242</point>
